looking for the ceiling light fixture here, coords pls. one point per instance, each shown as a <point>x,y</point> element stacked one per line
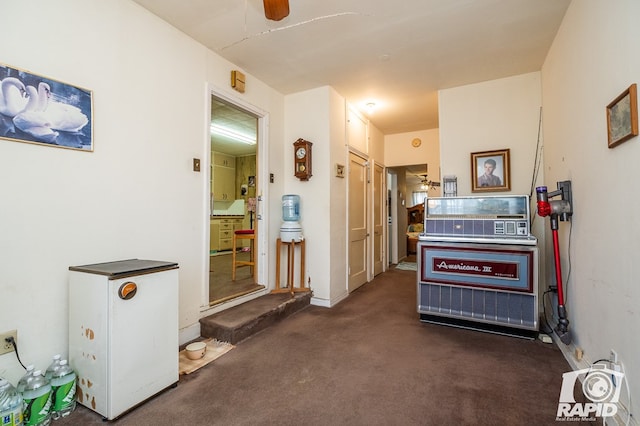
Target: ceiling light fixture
<point>371,107</point>
<point>223,131</point>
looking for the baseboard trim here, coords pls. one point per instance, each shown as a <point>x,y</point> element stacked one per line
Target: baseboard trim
<point>189,333</point>
<point>325,303</point>
<point>622,417</point>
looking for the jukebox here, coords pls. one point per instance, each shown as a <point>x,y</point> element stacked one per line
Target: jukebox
<point>478,264</point>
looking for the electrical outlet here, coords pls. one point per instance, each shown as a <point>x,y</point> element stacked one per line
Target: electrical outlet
<point>6,347</point>
<point>613,356</point>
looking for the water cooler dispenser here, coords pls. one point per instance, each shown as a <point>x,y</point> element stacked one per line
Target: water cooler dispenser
<point>291,237</point>
<point>291,231</point>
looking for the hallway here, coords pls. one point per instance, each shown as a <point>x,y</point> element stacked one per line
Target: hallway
<point>367,361</point>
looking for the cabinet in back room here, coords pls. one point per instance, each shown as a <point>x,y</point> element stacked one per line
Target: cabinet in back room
<point>223,176</point>
<point>222,229</point>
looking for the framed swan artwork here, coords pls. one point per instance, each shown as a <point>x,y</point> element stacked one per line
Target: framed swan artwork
<point>39,110</point>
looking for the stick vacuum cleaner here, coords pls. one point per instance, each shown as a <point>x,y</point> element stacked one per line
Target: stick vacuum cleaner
<point>557,210</point>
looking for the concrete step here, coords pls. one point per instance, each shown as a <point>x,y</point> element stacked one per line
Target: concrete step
<point>240,322</point>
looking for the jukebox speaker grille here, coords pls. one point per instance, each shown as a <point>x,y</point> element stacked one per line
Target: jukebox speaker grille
<point>482,305</point>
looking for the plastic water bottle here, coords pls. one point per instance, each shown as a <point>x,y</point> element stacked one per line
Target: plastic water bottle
<point>63,391</point>
<point>37,401</point>
<point>52,367</point>
<point>10,405</point>
<point>28,376</point>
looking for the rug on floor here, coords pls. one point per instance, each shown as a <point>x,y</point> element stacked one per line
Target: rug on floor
<point>215,349</point>
<point>407,266</point>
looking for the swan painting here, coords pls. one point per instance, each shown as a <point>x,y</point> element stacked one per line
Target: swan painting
<point>34,122</point>
<point>39,109</point>
<point>12,99</point>
<point>63,117</point>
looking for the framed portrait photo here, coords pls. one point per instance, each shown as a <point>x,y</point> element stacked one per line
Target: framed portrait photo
<point>490,171</point>
<point>622,117</point>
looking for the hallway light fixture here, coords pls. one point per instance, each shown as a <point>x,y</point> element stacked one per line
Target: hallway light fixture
<point>240,137</point>
<point>370,106</point>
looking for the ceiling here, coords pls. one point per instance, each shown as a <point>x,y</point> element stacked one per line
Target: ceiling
<point>397,54</point>
<point>416,173</point>
<point>231,118</point>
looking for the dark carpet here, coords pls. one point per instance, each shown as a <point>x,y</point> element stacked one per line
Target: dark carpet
<point>367,361</point>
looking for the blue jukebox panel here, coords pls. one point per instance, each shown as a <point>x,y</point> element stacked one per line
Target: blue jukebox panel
<point>494,284</point>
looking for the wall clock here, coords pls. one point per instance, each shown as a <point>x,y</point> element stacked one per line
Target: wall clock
<point>302,159</point>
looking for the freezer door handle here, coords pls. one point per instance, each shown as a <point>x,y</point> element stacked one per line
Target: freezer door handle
<point>127,290</point>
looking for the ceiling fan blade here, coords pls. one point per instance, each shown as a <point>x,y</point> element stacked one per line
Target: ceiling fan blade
<point>276,10</point>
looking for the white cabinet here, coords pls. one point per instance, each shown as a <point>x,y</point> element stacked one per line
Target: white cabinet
<point>221,237</point>
<point>123,332</point>
<point>223,177</point>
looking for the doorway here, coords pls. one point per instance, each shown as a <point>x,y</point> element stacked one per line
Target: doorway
<point>233,181</point>
<point>408,187</point>
<point>358,223</point>
<point>379,219</point>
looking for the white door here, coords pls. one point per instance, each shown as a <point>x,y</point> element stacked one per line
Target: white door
<point>358,253</point>
<point>379,218</point>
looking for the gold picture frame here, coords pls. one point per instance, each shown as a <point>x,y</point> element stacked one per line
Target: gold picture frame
<point>490,171</point>
<point>622,117</point>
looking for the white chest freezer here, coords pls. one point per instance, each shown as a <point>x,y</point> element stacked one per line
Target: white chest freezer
<point>123,332</point>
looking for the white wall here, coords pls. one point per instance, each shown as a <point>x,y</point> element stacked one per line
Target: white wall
<point>494,115</point>
<point>338,200</point>
<point>308,115</point>
<point>398,150</point>
<point>319,115</point>
<point>136,195</point>
<point>489,116</point>
<point>592,60</point>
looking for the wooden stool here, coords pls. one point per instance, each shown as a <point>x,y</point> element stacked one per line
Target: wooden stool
<point>291,250</point>
<point>243,234</point>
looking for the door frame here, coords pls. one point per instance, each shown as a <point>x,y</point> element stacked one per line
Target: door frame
<point>392,242</point>
<point>262,255</point>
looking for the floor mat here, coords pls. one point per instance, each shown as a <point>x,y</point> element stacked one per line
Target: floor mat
<point>407,266</point>
<point>215,349</point>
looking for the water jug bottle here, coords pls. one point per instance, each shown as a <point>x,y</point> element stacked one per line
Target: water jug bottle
<point>290,208</point>
<point>52,367</point>
<point>37,401</point>
<point>63,391</point>
<point>10,405</point>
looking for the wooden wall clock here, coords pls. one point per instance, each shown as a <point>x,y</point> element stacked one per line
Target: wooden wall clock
<point>302,159</point>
